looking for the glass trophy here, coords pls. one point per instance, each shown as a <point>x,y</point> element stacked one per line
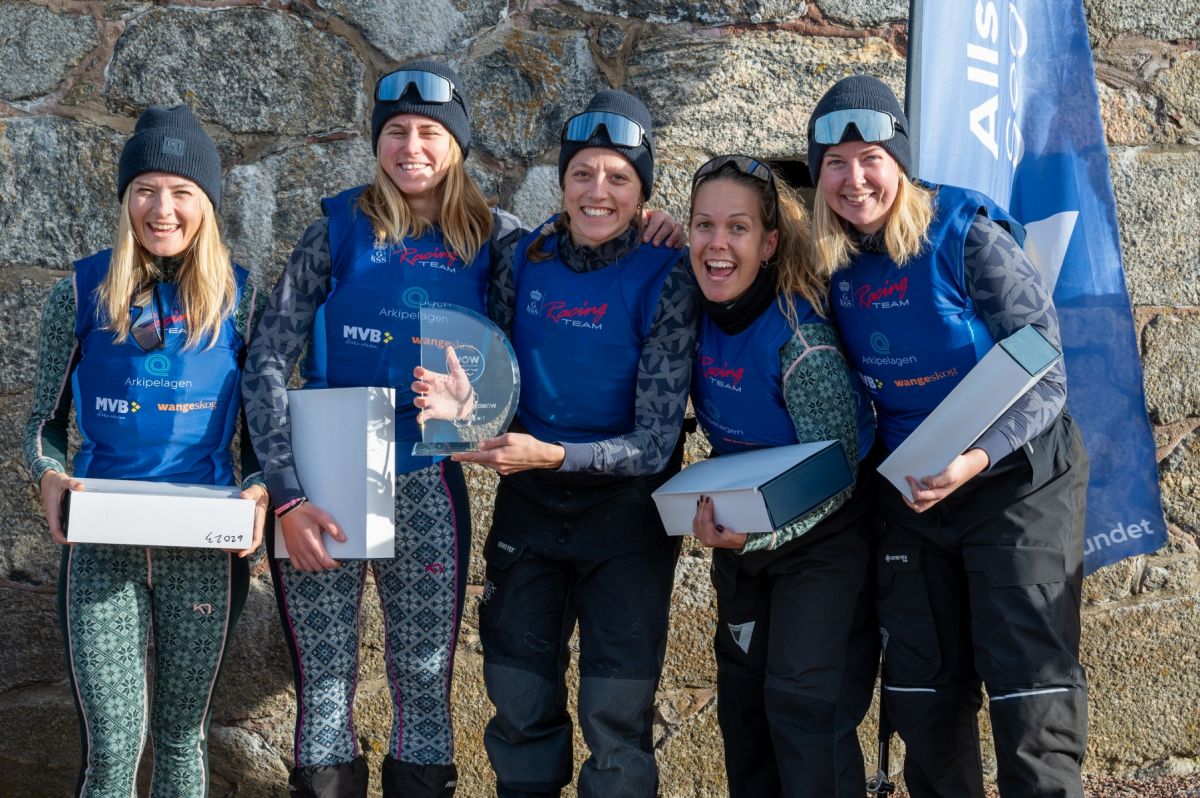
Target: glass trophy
<point>473,380</point>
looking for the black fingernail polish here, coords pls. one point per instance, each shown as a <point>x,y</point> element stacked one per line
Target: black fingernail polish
<point>720,528</point>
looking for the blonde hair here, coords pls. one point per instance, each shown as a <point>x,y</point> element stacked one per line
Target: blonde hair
<point>206,288</point>
<point>465,218</point>
<point>905,232</point>
<point>792,261</point>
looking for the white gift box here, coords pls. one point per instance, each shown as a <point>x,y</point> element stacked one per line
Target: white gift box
<point>135,513</point>
<point>756,491</point>
<point>344,445</point>
<point>1003,375</point>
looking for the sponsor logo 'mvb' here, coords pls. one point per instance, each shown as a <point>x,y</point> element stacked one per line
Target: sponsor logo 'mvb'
<point>360,336</point>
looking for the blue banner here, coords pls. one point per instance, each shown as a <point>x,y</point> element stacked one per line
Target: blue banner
<point>1002,98</point>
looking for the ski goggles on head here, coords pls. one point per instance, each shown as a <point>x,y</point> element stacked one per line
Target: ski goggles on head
<point>430,87</point>
<point>751,167</point>
<point>621,130</point>
<point>147,329</point>
<point>872,126</point>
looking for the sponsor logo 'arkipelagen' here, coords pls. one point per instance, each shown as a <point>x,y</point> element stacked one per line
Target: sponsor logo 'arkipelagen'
<point>710,414</point>
<point>883,353</point>
<point>417,305</point>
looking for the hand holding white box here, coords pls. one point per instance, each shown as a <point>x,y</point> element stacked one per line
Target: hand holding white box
<point>756,491</point>
<point>135,513</point>
<point>344,445</point>
<point>1003,375</point>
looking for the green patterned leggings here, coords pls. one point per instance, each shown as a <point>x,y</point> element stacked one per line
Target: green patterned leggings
<point>110,600</point>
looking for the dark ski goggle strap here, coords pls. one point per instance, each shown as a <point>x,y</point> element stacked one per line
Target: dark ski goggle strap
<point>751,167</point>
<point>872,126</point>
<point>431,88</point>
<point>147,329</point>
<point>621,131</point>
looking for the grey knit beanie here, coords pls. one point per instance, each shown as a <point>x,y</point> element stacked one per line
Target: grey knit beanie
<point>170,139</point>
<point>860,91</point>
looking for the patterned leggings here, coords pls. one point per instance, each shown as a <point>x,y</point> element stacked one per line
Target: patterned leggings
<point>110,597</point>
<point>421,592</point>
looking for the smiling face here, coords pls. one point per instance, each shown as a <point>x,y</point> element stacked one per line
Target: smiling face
<point>165,211</point>
<point>601,193</point>
<point>859,181</point>
<point>728,239</point>
<point>414,152</point>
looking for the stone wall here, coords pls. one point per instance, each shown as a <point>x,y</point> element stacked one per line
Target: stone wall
<point>284,89</point>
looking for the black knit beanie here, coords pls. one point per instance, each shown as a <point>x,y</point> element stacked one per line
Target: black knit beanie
<point>455,116</point>
<point>170,139</point>
<point>642,156</point>
<point>860,91</point>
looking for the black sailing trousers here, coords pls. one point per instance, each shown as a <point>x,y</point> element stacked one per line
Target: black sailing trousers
<point>797,650</point>
<point>985,586</point>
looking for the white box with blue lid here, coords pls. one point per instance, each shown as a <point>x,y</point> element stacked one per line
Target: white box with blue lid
<point>756,491</point>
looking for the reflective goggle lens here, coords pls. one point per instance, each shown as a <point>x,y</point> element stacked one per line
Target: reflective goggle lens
<point>146,331</point>
<point>873,126</point>
<point>751,167</point>
<point>432,88</point>
<point>744,164</point>
<point>621,131</point>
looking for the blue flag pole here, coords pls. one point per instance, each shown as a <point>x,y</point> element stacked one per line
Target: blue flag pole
<point>1001,98</point>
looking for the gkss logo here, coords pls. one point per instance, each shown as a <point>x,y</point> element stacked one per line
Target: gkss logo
<point>381,253</point>
<point>845,288</point>
<point>534,308</point>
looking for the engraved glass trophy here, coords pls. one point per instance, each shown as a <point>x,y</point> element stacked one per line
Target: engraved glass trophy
<point>471,382</point>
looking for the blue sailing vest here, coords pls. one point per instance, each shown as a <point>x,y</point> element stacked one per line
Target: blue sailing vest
<point>368,330</point>
<point>912,333</point>
<point>737,384</point>
<point>162,416</point>
<point>578,337</point>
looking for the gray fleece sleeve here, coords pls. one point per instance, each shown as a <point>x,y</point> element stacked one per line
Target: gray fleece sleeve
<point>506,234</point>
<point>1009,293</point>
<point>279,339</point>
<point>663,379</point>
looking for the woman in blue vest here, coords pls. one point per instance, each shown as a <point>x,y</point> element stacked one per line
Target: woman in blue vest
<point>796,643</point>
<point>979,566</point>
<point>156,323</point>
<point>603,328</point>
<point>420,233</point>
